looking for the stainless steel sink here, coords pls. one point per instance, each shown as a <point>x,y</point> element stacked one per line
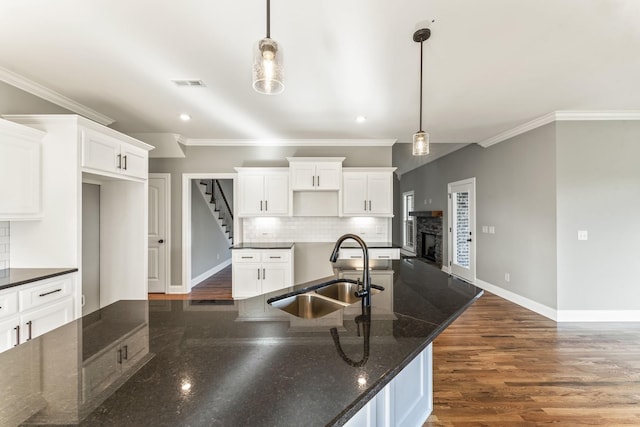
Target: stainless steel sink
<point>308,305</point>
<point>343,291</point>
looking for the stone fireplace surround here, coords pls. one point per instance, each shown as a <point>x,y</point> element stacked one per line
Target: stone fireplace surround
<point>429,222</point>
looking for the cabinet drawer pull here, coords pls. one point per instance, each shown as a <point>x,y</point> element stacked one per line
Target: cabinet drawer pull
<point>124,162</point>
<point>50,292</point>
<point>119,356</point>
<point>119,161</point>
<point>29,323</point>
<point>383,256</point>
<point>272,257</point>
<point>356,256</point>
<point>247,257</point>
<point>17,329</point>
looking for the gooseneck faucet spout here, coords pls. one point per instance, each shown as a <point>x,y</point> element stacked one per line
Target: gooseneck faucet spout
<point>366,277</point>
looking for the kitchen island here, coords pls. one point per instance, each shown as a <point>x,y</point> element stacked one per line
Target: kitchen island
<point>243,362</point>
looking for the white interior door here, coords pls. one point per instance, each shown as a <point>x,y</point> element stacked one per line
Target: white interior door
<point>462,233</point>
<point>158,233</point>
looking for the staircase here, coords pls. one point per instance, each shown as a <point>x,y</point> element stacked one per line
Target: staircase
<point>218,205</point>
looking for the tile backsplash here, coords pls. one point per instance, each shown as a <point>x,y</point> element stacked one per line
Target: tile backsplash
<point>314,229</point>
<point>4,245</point>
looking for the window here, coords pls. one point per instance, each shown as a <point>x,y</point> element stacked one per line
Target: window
<point>408,222</point>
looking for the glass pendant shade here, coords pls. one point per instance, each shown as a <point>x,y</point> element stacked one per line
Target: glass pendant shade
<point>420,143</point>
<point>268,70</point>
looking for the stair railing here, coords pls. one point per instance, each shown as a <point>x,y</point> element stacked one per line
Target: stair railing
<point>219,199</point>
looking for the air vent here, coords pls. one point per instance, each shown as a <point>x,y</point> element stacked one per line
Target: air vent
<point>187,82</point>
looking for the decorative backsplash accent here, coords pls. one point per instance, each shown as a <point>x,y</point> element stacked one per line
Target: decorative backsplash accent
<point>4,245</point>
<point>314,229</point>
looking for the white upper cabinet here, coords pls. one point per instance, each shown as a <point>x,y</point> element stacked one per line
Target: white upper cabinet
<point>315,173</point>
<point>20,172</point>
<point>105,153</point>
<point>263,192</point>
<point>367,192</point>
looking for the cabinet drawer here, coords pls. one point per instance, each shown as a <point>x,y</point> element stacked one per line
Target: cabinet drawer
<point>45,291</point>
<point>245,256</point>
<point>8,303</point>
<point>276,256</point>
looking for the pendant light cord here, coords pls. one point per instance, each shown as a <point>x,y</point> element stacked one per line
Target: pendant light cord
<point>268,19</point>
<point>420,85</point>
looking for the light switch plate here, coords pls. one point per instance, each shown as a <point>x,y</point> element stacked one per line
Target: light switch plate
<point>583,235</point>
<point>485,228</point>
<point>492,229</point>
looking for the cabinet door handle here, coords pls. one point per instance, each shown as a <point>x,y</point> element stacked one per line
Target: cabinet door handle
<point>124,162</point>
<point>126,352</point>
<point>119,356</point>
<point>313,180</point>
<point>17,329</point>
<point>264,276</point>
<point>318,180</point>
<point>29,324</point>
<point>365,205</point>
<point>50,292</point>
<point>369,204</point>
<point>260,205</point>
<point>119,161</point>
<point>266,206</point>
<point>258,274</point>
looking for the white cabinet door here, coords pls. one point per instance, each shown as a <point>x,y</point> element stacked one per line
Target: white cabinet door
<point>247,280</point>
<point>275,276</point>
<point>20,176</point>
<point>251,189</point>
<point>303,176</point>
<point>9,332</point>
<point>276,194</point>
<point>379,193</point>
<point>354,190</point>
<point>328,176</point>
<point>42,320</point>
<point>100,152</point>
<point>134,161</point>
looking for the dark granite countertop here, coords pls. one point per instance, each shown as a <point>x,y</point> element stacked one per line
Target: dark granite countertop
<point>19,276</point>
<point>263,245</point>
<point>232,363</point>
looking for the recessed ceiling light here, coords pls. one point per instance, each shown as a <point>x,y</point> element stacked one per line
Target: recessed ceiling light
<point>361,119</point>
<point>185,117</point>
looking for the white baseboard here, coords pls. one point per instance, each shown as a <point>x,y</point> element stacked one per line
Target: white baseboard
<point>598,315</point>
<point>446,269</point>
<point>209,273</point>
<point>527,303</point>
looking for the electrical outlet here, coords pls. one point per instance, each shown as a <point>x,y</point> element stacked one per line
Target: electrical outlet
<point>217,256</point>
<point>583,235</point>
<point>507,277</point>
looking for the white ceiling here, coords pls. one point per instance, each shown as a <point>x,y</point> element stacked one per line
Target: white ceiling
<point>490,65</point>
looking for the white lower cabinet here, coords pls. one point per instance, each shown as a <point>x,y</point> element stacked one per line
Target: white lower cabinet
<point>407,400</point>
<point>30,310</point>
<point>257,272</point>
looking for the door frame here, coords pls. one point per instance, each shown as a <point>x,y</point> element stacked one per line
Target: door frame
<point>185,287</point>
<point>474,235</point>
<point>166,177</point>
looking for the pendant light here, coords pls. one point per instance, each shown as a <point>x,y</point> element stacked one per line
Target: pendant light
<point>421,138</point>
<point>268,71</point>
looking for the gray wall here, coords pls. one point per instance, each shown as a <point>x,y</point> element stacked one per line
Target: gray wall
<point>224,159</point>
<point>17,101</point>
<point>599,191</point>
<point>515,192</point>
<point>209,246</point>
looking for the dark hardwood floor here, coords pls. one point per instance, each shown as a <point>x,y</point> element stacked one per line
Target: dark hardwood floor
<point>502,365</point>
<point>216,287</point>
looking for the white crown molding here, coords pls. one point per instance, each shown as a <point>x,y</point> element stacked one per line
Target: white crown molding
<point>291,142</point>
<point>54,97</point>
<point>561,116</point>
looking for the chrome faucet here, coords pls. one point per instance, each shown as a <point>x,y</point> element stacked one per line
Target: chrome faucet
<point>365,294</point>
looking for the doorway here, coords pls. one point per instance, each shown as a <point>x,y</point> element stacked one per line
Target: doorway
<point>159,224</point>
<point>462,232</point>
